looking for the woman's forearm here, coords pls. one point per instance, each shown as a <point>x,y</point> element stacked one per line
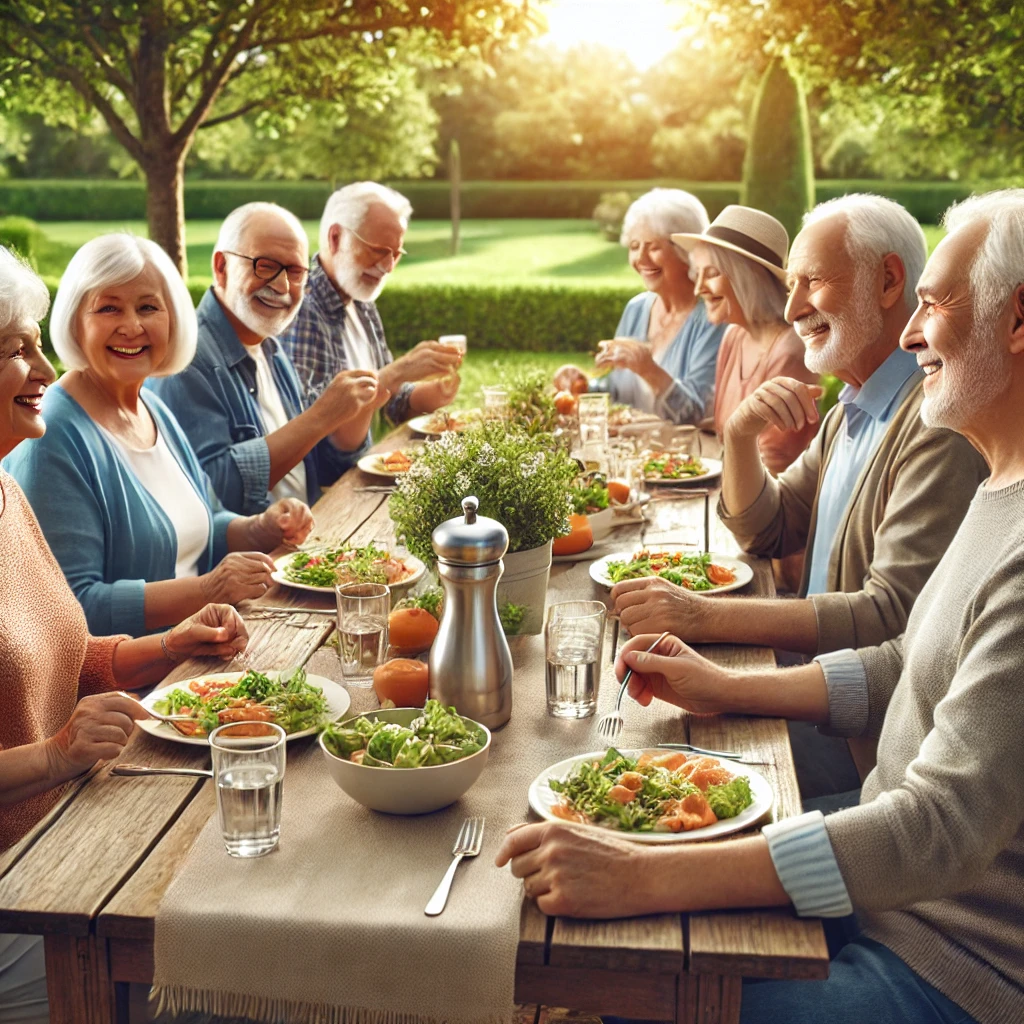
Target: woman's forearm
<point>167,602</point>
<point>140,662</point>
<point>658,379</point>
<point>29,770</point>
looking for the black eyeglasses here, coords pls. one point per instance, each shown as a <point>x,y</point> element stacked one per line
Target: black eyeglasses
<point>269,270</point>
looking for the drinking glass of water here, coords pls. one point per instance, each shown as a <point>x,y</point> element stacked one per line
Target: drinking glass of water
<point>495,402</point>
<point>363,610</point>
<point>249,774</point>
<point>454,341</point>
<point>573,646</point>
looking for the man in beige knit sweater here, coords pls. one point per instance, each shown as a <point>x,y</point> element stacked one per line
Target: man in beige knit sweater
<point>932,860</point>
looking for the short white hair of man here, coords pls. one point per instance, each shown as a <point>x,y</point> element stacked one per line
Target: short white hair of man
<point>349,205</point>
<point>23,296</point>
<point>761,295</point>
<point>999,266</point>
<point>666,212</point>
<point>232,231</point>
<point>109,261</point>
<point>875,227</point>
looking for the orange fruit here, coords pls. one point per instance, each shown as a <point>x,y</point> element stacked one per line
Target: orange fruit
<point>565,403</point>
<point>580,385</point>
<point>403,681</point>
<point>412,629</point>
<point>579,538</point>
<point>618,492</point>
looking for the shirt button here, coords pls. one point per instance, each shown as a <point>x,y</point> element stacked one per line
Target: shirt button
<point>252,391</point>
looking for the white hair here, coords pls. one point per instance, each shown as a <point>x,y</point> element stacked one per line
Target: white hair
<point>666,211</point>
<point>229,238</point>
<point>116,259</point>
<point>23,296</point>
<point>999,266</point>
<point>761,295</point>
<point>875,227</point>
<point>350,204</point>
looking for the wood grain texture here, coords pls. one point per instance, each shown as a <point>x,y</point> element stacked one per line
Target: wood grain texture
<point>534,926</point>
<point>643,996</point>
<point>646,945</point>
<point>78,981</point>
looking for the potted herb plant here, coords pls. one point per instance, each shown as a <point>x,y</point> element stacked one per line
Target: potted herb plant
<point>522,480</point>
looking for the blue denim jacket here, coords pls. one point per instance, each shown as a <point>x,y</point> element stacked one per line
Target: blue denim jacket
<point>215,401</point>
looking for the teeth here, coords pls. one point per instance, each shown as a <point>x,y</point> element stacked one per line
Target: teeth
<point>32,400</point>
<point>930,368</point>
<point>127,351</point>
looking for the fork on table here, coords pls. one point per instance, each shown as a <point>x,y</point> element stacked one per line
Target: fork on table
<point>609,725</point>
<point>468,844</point>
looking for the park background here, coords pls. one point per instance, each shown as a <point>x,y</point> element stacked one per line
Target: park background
<point>519,129</point>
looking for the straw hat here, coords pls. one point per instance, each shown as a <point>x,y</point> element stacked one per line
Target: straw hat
<point>751,233</point>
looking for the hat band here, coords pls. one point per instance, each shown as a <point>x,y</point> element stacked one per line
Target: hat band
<point>752,245</point>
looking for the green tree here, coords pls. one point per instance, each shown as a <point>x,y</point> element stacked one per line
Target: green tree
<point>158,71</point>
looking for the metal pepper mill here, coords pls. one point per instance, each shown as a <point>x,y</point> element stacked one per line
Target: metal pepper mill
<point>470,663</point>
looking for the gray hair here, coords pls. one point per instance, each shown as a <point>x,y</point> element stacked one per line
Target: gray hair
<point>350,204</point>
<point>23,296</point>
<point>667,211</point>
<point>875,227</point>
<point>761,295</point>
<point>999,266</point>
<point>229,238</point>
<point>108,261</point>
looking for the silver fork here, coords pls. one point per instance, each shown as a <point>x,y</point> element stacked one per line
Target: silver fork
<point>468,843</point>
<point>609,725</point>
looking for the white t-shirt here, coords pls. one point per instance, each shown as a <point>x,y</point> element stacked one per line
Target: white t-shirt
<point>159,472</point>
<point>293,483</point>
<point>359,352</point>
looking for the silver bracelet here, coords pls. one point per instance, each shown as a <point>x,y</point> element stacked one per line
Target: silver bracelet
<point>167,654</point>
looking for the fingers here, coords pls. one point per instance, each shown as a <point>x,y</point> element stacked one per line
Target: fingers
<point>670,645</point>
<point>117,702</point>
<point>786,403</point>
<point>649,664</point>
<point>628,586</point>
<point>519,841</point>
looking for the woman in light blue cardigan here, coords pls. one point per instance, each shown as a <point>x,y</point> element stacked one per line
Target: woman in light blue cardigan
<point>665,351</point>
<point>113,481</point>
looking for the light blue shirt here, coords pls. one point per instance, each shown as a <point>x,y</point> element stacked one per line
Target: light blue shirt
<point>867,414</point>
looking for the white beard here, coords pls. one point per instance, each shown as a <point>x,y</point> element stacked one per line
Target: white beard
<point>348,275</point>
<point>850,332</point>
<point>263,323</point>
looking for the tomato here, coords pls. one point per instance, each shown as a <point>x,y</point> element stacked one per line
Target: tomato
<point>720,575</point>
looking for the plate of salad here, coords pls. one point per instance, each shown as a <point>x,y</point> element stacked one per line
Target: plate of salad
<point>388,464</point>
<point>442,421</point>
<point>703,572</point>
<point>652,795</point>
<point>323,568</point>
<point>301,704</point>
<point>665,467</point>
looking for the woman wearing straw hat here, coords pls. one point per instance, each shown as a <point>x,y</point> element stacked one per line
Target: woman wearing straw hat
<point>737,265</point>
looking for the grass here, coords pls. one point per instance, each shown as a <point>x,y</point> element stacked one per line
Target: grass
<point>488,367</point>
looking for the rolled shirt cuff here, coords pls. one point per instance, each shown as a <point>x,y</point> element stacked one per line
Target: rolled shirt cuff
<point>252,459</point>
<point>806,865</point>
<point>847,682</point>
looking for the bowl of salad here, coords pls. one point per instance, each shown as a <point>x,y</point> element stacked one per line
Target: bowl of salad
<point>406,760</point>
<point>590,498</point>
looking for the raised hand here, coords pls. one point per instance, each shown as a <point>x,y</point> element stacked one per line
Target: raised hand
<point>781,402</point>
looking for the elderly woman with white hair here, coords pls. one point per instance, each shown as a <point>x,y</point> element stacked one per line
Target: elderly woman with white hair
<point>662,359</point>
<point>62,711</point>
<point>738,268</point>
<point>121,497</point>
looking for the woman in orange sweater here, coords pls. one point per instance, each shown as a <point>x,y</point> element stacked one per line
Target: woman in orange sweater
<point>61,712</point>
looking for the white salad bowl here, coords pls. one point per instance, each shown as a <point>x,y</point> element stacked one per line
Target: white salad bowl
<point>406,790</point>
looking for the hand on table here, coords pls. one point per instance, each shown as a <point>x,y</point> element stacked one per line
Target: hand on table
<point>782,402</point>
<point>240,576</point>
<point>672,673</point>
<point>653,604</point>
<point>215,631</point>
<point>288,521</point>
<point>98,730</point>
<point>572,379</point>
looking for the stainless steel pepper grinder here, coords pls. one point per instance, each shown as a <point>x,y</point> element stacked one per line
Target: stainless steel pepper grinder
<point>470,663</point>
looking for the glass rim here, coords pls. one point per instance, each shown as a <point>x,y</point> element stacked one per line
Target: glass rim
<point>260,744</point>
<point>596,610</point>
<point>341,588</point>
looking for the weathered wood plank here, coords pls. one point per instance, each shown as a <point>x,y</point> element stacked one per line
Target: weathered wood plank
<point>533,935</point>
<point>646,945</point>
<point>78,981</point>
<point>643,996</point>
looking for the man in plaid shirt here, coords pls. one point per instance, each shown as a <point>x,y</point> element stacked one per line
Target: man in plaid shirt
<point>338,326</point>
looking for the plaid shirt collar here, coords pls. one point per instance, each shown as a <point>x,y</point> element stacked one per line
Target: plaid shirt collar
<point>329,299</point>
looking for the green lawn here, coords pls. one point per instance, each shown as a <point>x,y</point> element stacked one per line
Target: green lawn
<point>487,366</point>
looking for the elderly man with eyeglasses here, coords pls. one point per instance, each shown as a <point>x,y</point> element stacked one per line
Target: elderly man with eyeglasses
<point>338,327</point>
<point>240,400</point>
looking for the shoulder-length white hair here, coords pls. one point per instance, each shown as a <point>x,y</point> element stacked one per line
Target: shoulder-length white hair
<point>666,212</point>
<point>112,260</point>
<point>23,296</point>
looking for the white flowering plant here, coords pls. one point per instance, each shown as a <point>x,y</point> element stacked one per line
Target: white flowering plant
<point>522,480</point>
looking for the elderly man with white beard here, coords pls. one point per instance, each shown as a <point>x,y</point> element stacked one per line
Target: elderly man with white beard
<point>239,400</point>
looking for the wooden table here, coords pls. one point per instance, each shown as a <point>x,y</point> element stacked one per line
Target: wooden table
<point>90,876</point>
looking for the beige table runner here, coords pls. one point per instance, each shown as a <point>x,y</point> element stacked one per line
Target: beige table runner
<point>330,927</point>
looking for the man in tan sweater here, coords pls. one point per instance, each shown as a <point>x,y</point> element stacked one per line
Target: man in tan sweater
<point>932,860</point>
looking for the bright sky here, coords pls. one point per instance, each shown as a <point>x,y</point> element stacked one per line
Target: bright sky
<point>642,28</point>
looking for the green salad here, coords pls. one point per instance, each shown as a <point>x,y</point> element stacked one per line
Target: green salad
<point>288,701</point>
<point>589,497</point>
<point>438,736</point>
<point>655,792</point>
<point>329,567</point>
<point>692,571</point>
<point>672,466</point>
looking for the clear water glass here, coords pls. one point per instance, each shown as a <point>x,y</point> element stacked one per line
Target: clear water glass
<point>454,341</point>
<point>495,402</point>
<point>248,772</point>
<point>363,610</point>
<point>573,647</point>
<point>592,412</point>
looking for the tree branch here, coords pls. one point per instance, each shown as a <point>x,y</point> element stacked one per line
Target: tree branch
<point>210,122</point>
<point>110,71</point>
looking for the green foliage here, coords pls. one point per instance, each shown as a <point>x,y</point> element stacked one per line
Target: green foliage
<point>610,212</point>
<point>531,401</point>
<point>455,188</point>
<point>521,480</point>
<point>778,172</point>
<point>23,235</point>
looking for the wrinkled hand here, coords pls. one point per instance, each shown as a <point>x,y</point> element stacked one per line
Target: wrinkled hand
<point>425,360</point>
<point>98,729</point>
<point>351,393</point>
<point>566,869</point>
<point>215,631</point>
<point>432,395</point>
<point>287,521</point>
<point>626,354</point>
<point>572,379</point>
<point>240,576</point>
<point>653,604</point>
<point>672,673</point>
<point>781,402</point>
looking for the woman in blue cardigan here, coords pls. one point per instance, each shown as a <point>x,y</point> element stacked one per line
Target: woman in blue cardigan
<point>119,493</point>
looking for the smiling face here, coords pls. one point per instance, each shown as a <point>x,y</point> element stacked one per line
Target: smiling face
<point>658,262</point>
<point>24,376</point>
<point>833,303</point>
<point>361,260</point>
<point>714,287</point>
<point>123,330</point>
<point>966,366</point>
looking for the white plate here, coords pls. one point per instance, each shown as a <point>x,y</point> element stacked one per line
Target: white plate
<point>744,574</point>
<point>419,424</point>
<point>543,798</point>
<point>280,564</point>
<point>714,471</point>
<point>337,696</point>
<point>372,464</point>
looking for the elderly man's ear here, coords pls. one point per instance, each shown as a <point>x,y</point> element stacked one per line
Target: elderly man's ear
<point>334,239</point>
<point>894,277</point>
<point>1017,328</point>
<point>220,264</point>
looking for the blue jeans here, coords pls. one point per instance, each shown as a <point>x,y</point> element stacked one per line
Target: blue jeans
<point>867,982</point>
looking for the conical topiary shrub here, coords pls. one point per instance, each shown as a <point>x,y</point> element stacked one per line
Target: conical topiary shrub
<point>778,169</point>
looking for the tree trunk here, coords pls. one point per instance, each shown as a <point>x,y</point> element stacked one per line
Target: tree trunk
<point>165,205</point>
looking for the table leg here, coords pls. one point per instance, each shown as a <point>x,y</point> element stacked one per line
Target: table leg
<point>708,999</point>
<point>78,980</point>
